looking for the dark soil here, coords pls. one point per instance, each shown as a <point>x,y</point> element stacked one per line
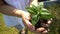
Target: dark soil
<point>41,23</point>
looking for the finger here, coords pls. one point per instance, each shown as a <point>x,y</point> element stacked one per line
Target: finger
<point>29,25</point>
<point>39,30</point>
<point>49,21</point>
<point>45,32</point>
<point>48,30</point>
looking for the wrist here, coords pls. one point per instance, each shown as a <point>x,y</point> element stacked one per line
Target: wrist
<point>18,13</point>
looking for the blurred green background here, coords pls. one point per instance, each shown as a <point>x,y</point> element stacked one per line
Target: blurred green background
<point>54,27</point>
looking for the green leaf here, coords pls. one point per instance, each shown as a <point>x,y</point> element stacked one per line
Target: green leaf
<point>39,12</point>
<point>35,19</point>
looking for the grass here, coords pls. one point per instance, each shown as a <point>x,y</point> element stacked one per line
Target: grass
<point>6,30</point>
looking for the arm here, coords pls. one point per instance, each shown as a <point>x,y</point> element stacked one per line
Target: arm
<point>8,10</point>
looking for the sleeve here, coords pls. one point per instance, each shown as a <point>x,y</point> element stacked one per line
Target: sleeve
<point>4,1</point>
<point>1,2</point>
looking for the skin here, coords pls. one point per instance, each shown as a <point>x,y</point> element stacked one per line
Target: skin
<point>9,10</point>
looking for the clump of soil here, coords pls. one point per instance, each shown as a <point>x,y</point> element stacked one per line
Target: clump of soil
<point>41,23</point>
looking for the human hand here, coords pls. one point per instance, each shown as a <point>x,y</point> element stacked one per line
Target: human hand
<point>26,18</point>
<point>27,23</point>
<point>44,27</point>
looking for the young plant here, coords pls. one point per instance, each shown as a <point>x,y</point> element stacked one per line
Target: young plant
<point>39,15</point>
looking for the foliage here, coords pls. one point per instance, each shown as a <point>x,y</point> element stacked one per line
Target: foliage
<point>38,12</point>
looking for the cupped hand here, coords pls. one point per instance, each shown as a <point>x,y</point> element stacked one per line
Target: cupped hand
<point>28,25</point>
<point>26,18</point>
<point>44,30</point>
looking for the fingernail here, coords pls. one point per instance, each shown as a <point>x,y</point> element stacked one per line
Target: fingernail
<point>49,22</point>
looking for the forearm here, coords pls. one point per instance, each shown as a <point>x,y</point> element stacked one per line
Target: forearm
<point>8,10</point>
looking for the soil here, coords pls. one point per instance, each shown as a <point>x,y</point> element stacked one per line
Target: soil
<point>41,23</point>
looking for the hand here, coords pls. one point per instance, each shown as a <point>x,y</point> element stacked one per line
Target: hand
<point>26,18</point>
<point>27,23</point>
<point>44,29</point>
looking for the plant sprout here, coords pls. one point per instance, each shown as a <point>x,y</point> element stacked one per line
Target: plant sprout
<point>38,12</point>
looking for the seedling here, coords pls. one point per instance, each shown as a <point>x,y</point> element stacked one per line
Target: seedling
<point>39,15</point>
